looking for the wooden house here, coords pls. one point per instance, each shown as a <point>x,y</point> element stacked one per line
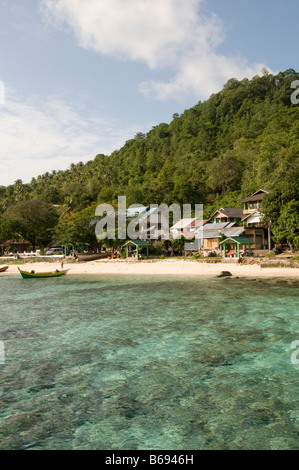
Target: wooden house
<point>212,233</point>
<point>252,220</point>
<point>254,202</point>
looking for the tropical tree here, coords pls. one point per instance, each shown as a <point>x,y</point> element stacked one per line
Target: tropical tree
<point>287,227</point>
<point>239,140</point>
<point>77,228</point>
<point>178,244</point>
<point>32,220</point>
<point>6,230</point>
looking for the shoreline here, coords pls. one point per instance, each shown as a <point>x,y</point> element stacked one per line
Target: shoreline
<point>157,268</point>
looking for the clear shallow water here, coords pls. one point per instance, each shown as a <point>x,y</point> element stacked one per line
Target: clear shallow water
<point>148,363</point>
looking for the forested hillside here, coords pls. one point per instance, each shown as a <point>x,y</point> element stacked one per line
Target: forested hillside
<point>241,139</point>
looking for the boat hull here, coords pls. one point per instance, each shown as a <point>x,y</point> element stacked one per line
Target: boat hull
<point>2,270</point>
<point>28,275</point>
<point>91,257</point>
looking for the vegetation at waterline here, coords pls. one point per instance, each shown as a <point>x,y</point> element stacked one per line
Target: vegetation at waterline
<point>241,139</point>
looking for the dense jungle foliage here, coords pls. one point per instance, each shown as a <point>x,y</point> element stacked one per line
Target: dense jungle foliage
<point>244,138</point>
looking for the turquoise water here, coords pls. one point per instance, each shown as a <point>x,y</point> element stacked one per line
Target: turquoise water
<point>121,363</point>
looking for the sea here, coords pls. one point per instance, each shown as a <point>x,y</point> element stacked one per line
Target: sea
<point>149,363</point>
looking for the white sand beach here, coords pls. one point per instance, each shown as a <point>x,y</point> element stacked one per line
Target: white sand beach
<point>166,267</point>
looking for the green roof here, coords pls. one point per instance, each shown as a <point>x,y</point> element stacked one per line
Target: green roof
<point>239,240</point>
<point>137,243</point>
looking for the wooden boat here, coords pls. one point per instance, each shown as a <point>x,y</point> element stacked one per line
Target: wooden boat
<point>3,269</point>
<point>91,256</point>
<point>34,275</point>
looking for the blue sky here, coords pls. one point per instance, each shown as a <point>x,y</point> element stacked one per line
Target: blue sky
<point>83,76</point>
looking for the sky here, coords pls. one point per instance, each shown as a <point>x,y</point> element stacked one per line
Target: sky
<point>81,77</point>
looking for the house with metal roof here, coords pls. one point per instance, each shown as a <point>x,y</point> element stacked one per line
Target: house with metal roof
<point>227,214</point>
<point>250,216</point>
<point>254,202</point>
<point>212,233</point>
<point>253,217</point>
<point>187,227</point>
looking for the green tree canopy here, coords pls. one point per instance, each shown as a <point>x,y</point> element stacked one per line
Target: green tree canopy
<point>216,153</point>
<point>31,220</point>
<point>77,228</point>
<point>287,226</point>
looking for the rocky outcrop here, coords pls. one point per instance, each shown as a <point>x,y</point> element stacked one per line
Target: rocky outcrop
<point>224,274</point>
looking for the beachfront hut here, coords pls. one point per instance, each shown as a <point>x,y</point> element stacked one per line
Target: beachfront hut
<point>237,242</point>
<point>137,244</point>
<point>13,246</point>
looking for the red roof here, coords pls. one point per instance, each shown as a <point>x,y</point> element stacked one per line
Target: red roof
<point>188,234</point>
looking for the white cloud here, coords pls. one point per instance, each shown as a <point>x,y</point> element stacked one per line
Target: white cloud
<point>160,33</point>
<point>152,31</point>
<point>201,75</point>
<point>38,136</point>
